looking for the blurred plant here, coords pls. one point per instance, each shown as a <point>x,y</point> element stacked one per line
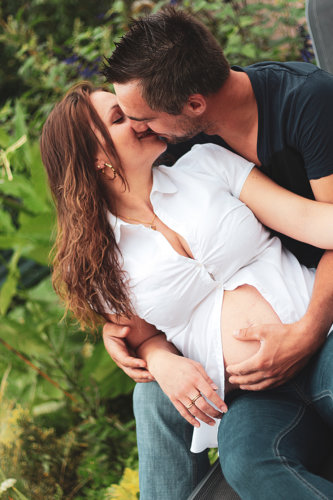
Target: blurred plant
<point>127,489</point>
<point>252,31</point>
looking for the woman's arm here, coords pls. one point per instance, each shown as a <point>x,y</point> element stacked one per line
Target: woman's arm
<point>180,378</point>
<point>288,213</point>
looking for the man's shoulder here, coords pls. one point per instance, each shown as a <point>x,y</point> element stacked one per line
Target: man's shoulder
<point>296,68</point>
<point>289,84</point>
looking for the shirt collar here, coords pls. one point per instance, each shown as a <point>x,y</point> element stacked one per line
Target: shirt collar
<point>161,184</point>
<point>116,224</point>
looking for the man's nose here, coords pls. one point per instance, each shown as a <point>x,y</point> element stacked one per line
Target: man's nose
<point>139,126</point>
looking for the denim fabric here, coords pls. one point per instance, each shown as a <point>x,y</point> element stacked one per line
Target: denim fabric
<point>273,442</point>
<point>167,468</point>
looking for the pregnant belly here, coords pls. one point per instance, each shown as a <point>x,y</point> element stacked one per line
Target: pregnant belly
<point>241,308</point>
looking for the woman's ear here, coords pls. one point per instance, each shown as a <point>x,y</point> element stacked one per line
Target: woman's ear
<point>99,165</point>
<point>196,105</point>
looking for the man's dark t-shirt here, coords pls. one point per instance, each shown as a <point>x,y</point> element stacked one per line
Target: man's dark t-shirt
<point>295,132</point>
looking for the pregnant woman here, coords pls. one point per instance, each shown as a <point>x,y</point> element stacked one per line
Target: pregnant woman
<point>178,250</point>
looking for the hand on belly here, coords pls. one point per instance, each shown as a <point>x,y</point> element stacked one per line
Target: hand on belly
<point>243,307</point>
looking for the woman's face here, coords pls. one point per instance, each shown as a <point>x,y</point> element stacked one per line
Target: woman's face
<point>134,149</point>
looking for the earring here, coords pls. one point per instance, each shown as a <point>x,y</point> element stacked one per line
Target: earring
<point>112,168</point>
<point>99,167</point>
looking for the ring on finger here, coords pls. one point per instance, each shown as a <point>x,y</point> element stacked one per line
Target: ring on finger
<point>193,401</point>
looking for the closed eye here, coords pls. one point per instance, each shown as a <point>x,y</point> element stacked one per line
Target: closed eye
<point>118,120</point>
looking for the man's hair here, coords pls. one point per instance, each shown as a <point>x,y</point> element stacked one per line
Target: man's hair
<point>172,55</point>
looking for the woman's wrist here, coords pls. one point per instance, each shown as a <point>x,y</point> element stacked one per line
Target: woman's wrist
<point>155,347</point>
<point>159,359</point>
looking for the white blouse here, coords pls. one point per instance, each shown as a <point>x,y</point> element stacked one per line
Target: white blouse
<point>198,199</point>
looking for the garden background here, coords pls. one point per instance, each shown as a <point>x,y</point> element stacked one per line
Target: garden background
<point>66,422</point>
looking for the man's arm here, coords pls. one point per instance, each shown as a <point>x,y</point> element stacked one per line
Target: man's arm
<point>114,337</point>
<point>285,349</point>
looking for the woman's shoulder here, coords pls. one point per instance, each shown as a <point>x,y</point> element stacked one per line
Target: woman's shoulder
<point>212,161</point>
<point>196,159</point>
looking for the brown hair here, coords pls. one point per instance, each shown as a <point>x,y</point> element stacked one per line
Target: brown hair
<point>172,55</point>
<point>86,273</point>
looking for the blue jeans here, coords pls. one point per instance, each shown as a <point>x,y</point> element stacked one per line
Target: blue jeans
<point>271,443</point>
<point>167,468</point>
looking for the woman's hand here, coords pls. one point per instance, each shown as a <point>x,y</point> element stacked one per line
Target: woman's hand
<point>184,381</point>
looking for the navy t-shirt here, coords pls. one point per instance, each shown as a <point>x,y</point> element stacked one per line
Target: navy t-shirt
<point>295,132</point>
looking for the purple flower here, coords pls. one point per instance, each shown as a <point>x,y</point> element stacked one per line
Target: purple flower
<point>72,59</point>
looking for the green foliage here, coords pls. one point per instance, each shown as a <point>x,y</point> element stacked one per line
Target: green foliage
<point>251,31</point>
<point>72,435</point>
<point>49,464</point>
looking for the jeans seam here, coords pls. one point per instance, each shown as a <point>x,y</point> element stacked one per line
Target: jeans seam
<point>323,395</point>
<point>301,394</point>
<point>194,471</point>
<point>285,461</point>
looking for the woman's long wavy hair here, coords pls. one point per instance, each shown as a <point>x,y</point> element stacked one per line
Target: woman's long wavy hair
<point>86,270</point>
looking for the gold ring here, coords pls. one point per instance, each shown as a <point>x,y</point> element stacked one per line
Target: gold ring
<point>193,400</point>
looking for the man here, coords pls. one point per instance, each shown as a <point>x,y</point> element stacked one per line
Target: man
<point>171,76</point>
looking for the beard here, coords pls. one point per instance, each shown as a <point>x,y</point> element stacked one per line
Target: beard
<point>189,128</point>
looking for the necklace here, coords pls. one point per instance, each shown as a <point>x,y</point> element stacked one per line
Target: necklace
<point>151,224</point>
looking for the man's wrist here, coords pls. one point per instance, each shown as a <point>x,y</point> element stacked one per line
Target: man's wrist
<point>313,328</point>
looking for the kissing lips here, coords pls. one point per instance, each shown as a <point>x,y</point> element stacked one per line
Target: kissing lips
<point>146,133</point>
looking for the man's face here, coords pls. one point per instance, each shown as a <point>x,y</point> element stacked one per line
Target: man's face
<point>175,128</point>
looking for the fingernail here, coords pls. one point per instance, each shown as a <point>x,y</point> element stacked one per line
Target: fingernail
<point>196,424</point>
<point>211,423</point>
<point>236,332</point>
<point>214,386</point>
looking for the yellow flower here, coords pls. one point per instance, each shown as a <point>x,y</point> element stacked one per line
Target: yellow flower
<point>127,489</point>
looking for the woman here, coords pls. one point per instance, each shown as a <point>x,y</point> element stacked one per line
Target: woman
<point>173,250</point>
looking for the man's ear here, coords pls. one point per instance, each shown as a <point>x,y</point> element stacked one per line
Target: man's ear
<point>196,105</point>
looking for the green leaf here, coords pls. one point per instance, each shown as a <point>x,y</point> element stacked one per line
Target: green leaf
<point>20,130</point>
<point>24,336</point>
<point>6,225</point>
<point>5,139</point>
<point>112,381</point>
<point>38,175</point>
<point>48,407</point>
<point>36,228</point>
<point>22,189</point>
<point>43,292</point>
<point>8,289</point>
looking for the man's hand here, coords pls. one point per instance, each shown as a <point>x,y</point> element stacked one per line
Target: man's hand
<point>114,337</point>
<point>284,351</point>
